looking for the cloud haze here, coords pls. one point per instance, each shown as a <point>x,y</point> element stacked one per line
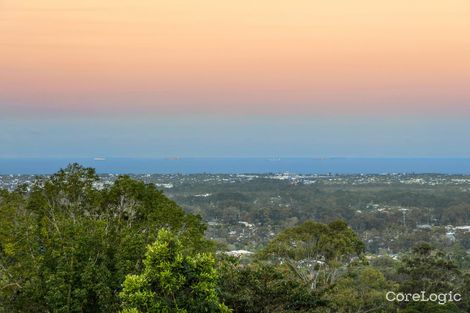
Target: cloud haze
<point>207,137</point>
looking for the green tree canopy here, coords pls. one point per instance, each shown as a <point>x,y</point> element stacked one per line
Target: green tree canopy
<point>429,269</point>
<point>67,244</point>
<point>172,281</point>
<point>316,252</point>
<point>261,287</point>
<point>362,290</point>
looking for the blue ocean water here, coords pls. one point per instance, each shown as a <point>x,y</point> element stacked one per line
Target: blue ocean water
<point>242,165</point>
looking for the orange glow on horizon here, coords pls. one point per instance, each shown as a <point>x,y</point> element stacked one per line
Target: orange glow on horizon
<point>251,56</point>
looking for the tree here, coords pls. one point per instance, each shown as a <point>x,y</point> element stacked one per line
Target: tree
<point>430,270</point>
<point>66,246</point>
<point>362,290</point>
<point>316,252</point>
<point>171,281</point>
<point>427,269</point>
<point>261,287</point>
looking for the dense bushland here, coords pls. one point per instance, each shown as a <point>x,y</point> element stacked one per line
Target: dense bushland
<point>71,244</point>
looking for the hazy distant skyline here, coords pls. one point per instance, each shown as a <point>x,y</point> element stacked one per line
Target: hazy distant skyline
<point>234,78</point>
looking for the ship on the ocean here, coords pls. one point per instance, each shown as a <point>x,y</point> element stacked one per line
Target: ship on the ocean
<point>173,158</point>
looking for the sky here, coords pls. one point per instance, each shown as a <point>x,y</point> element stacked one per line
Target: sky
<point>234,78</point>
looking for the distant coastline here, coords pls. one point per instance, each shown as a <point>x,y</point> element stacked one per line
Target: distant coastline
<point>300,165</point>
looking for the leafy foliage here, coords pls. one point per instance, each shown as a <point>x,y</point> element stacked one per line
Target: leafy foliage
<point>71,243</point>
<point>172,282</point>
<point>67,244</point>
<point>363,289</point>
<point>262,287</point>
<point>430,270</point>
<point>316,252</point>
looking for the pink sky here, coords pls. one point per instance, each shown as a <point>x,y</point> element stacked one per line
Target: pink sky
<point>250,57</point>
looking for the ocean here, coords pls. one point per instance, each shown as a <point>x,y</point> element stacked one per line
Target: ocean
<point>302,165</point>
